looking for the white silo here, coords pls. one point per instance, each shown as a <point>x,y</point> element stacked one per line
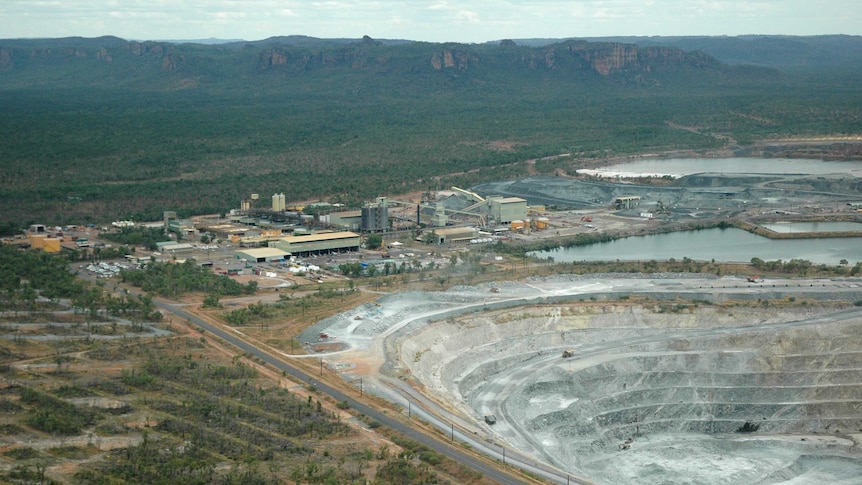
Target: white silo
<point>279,203</point>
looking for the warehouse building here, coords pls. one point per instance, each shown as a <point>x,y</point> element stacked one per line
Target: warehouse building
<point>348,220</point>
<point>455,234</point>
<point>318,243</point>
<point>174,247</point>
<point>261,255</point>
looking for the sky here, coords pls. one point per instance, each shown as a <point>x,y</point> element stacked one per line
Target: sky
<point>433,21</point>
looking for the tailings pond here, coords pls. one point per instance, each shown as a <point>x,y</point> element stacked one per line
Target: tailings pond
<point>679,167</point>
<point>733,245</point>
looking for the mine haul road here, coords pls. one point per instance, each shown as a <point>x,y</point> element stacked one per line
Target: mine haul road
<point>427,439</point>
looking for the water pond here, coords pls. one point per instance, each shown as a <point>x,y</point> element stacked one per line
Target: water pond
<point>678,167</point>
<point>731,245</point>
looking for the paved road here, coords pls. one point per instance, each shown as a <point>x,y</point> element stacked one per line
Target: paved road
<point>451,451</point>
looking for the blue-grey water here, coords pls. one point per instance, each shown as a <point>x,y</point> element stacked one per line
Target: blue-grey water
<point>720,244</point>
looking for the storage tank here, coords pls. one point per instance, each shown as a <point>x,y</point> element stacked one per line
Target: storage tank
<point>542,223</point>
<point>516,225</point>
<point>375,217</point>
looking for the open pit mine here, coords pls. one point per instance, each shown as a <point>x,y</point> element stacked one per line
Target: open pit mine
<point>625,379</point>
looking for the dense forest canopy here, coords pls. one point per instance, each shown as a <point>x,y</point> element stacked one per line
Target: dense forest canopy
<point>96,129</point>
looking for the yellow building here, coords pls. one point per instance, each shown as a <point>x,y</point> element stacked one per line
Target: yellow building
<point>51,245</point>
<point>37,241</point>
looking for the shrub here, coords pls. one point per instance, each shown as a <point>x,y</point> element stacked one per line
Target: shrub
<point>748,427</point>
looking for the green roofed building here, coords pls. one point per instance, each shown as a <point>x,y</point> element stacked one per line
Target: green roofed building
<point>261,255</point>
<point>318,243</point>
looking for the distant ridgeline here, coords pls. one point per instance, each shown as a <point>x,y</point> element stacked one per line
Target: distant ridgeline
<point>103,129</point>
<point>130,61</point>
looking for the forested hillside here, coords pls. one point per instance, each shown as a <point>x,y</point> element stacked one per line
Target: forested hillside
<point>94,129</point>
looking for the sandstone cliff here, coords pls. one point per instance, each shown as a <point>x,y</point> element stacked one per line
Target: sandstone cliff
<point>453,59</point>
<point>605,59</point>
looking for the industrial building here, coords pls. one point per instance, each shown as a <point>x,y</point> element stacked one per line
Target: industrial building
<point>347,220</point>
<point>627,202</point>
<point>253,239</point>
<point>174,247</point>
<point>177,226</point>
<point>454,234</point>
<point>462,203</point>
<point>507,209</point>
<point>37,241</point>
<point>261,255</point>
<point>51,245</point>
<point>225,231</point>
<point>318,243</point>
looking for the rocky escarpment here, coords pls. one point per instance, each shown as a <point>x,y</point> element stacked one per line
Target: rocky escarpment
<point>606,59</point>
<point>453,59</point>
<point>106,49</point>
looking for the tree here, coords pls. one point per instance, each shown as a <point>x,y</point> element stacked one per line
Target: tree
<point>211,301</point>
<point>374,241</point>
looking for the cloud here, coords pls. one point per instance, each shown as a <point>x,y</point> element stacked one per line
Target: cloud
<point>468,15</point>
<point>431,20</point>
